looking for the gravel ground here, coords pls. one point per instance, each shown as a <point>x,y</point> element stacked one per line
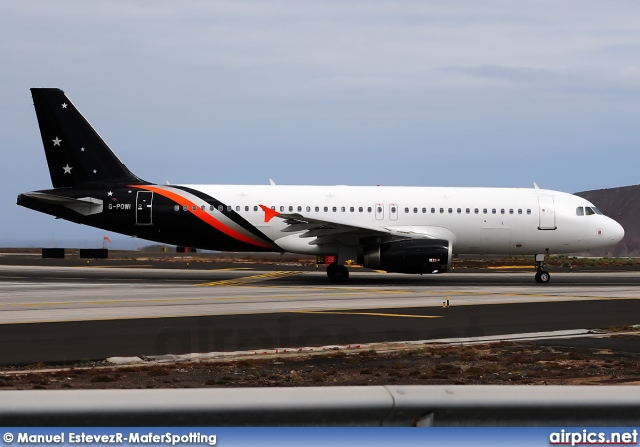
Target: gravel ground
<point>490,364</point>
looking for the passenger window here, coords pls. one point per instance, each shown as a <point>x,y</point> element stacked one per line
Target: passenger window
<point>424,210</point>
<point>282,209</point>
<point>450,210</point>
<point>415,210</point>
<point>352,209</point>
<point>379,209</point>
<point>476,210</point>
<point>246,208</point>
<point>176,208</point>
<point>368,209</point>
<point>317,209</point>
<point>211,208</point>
<point>519,210</point>
<point>493,211</point>
<point>511,211</point>
<point>255,208</point>
<point>441,210</point>
<point>580,211</point>
<point>229,208</point>
<point>459,211</point>
<point>202,207</point>
<point>290,209</point>
<point>299,209</point>
<point>185,208</point>
<point>308,209</point>
<point>528,211</point>
<point>360,209</point>
<point>484,211</point>
<point>468,211</point>
<point>194,207</point>
<point>502,211</point>
<point>406,210</point>
<point>334,209</point>
<point>433,210</point>
<point>326,209</point>
<point>343,209</point>
<point>393,209</point>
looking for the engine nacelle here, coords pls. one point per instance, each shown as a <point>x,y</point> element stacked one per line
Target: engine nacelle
<point>411,256</point>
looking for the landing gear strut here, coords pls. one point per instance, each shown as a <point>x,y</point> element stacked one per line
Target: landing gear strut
<point>542,276</point>
<point>337,273</point>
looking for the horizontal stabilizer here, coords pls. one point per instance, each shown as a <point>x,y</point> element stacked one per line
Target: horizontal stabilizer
<point>84,205</point>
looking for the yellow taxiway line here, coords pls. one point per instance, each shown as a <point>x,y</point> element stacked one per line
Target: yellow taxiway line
<point>369,314</point>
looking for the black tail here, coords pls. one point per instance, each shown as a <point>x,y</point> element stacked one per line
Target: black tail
<point>76,154</point>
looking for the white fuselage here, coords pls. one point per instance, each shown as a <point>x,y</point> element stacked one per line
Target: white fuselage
<point>476,220</point>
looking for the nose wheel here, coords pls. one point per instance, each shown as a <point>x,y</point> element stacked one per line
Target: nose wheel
<point>542,276</point>
<point>337,273</point>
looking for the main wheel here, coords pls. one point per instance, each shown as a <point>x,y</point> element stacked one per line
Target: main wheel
<point>543,277</point>
<point>337,273</point>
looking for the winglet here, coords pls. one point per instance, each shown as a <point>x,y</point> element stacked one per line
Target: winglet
<point>268,213</point>
<point>535,185</point>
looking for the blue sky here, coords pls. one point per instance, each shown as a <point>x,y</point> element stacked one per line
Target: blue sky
<point>458,93</point>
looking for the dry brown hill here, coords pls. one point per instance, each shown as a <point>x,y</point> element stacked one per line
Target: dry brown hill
<point>621,204</point>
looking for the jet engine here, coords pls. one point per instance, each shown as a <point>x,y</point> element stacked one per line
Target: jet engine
<point>410,256</point>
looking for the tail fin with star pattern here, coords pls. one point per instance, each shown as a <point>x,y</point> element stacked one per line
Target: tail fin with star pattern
<point>76,154</point>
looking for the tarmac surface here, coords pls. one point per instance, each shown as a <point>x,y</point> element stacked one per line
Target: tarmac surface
<point>66,313</point>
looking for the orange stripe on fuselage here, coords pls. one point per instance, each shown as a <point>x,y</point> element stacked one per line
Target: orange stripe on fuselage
<point>202,215</point>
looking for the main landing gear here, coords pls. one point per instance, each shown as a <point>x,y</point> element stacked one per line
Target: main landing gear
<point>542,276</point>
<point>337,273</point>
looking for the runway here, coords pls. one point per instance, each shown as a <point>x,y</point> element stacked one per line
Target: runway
<point>55,314</point>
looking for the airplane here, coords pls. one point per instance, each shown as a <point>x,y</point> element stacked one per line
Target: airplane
<point>414,230</point>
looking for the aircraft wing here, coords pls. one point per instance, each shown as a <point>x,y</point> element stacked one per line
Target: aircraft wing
<point>327,231</point>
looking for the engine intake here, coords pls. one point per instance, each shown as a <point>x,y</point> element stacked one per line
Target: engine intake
<point>411,256</point>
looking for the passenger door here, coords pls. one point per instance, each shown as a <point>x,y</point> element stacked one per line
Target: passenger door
<point>547,213</point>
<point>144,201</point>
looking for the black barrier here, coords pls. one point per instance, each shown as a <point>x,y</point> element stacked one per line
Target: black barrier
<point>94,253</point>
<point>53,253</point>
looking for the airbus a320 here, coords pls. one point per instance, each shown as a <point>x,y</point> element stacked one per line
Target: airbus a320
<point>414,230</point>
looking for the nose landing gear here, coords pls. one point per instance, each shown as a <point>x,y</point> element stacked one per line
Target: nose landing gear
<point>542,276</point>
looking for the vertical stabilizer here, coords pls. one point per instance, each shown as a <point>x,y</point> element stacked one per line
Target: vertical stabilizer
<point>76,154</point>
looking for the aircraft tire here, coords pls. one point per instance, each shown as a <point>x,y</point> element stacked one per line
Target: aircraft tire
<point>337,273</point>
<point>543,277</point>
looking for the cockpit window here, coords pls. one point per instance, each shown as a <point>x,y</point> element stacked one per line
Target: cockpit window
<point>589,211</point>
<point>597,210</point>
<point>580,211</point>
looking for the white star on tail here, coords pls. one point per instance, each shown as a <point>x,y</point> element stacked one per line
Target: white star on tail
<point>57,141</point>
<point>64,105</point>
<point>110,193</point>
<point>67,169</point>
